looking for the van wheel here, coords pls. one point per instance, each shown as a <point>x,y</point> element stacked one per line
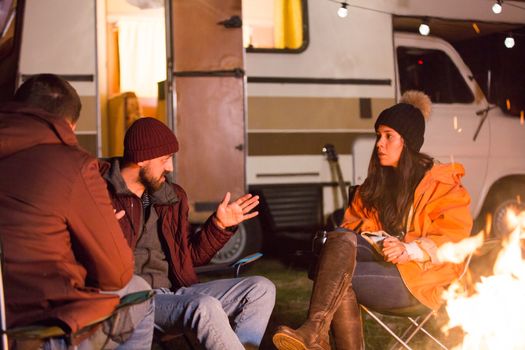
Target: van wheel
<point>247,240</point>
<point>500,224</point>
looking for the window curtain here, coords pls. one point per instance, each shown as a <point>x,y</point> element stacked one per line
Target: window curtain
<point>288,32</point>
<point>142,55</point>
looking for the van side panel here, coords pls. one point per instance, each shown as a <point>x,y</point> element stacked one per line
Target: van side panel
<point>59,37</point>
<point>358,47</point>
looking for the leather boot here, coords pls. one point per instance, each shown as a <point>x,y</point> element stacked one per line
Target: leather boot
<point>347,328</point>
<point>334,276</point>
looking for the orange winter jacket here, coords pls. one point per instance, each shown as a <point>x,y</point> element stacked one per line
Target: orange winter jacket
<point>440,214</point>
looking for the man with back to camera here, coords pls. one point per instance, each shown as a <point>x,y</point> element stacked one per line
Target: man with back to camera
<point>222,314</point>
<point>61,241</point>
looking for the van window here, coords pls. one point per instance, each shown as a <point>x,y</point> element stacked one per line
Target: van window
<point>274,25</point>
<point>433,72</point>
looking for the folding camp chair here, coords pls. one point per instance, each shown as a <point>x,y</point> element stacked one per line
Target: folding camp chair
<point>30,337</point>
<point>32,332</point>
<point>418,316</point>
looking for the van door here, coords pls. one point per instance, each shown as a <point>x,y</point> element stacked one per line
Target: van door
<point>453,132</point>
<point>209,92</point>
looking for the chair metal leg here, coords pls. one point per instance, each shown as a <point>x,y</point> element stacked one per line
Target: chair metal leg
<point>409,333</point>
<point>385,326</point>
<point>405,334</point>
<point>419,326</point>
<point>3,323</point>
<point>427,333</point>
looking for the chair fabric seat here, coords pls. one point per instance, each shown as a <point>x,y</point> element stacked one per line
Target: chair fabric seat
<point>410,311</point>
<point>40,332</point>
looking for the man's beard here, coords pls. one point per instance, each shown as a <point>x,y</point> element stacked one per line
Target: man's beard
<point>151,184</point>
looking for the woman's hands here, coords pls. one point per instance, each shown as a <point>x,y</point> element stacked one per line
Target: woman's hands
<point>395,251</point>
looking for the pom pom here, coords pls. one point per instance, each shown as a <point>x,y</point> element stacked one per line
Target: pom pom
<point>419,100</point>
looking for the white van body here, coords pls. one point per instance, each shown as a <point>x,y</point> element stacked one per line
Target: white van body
<point>295,102</point>
<point>364,46</point>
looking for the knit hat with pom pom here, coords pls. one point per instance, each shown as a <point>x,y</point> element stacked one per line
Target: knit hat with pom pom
<point>408,118</point>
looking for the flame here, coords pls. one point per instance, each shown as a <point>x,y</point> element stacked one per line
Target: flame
<point>476,28</point>
<point>491,317</point>
<point>458,252</point>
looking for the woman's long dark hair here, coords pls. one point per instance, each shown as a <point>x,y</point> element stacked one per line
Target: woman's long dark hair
<point>391,190</point>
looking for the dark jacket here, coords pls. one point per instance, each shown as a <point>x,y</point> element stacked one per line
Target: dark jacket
<point>184,250</point>
<point>60,238</point>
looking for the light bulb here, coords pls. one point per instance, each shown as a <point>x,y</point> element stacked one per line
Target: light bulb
<point>509,42</point>
<point>424,29</point>
<point>343,11</point>
<point>496,8</point>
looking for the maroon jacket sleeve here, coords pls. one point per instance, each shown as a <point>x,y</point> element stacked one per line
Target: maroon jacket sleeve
<point>97,237</point>
<point>203,244</point>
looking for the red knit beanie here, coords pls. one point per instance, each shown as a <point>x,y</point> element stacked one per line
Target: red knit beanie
<point>148,138</point>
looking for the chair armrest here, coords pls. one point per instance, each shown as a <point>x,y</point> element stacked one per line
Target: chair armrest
<point>135,298</point>
<point>35,332</point>
<point>236,266</point>
<point>244,261</point>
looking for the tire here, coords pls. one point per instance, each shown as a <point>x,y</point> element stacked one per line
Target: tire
<point>500,225</point>
<point>504,196</point>
<point>247,240</point>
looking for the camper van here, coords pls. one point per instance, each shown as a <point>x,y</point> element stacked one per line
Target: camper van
<point>255,89</point>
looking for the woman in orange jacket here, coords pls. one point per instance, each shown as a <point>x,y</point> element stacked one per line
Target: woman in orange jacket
<point>408,206</point>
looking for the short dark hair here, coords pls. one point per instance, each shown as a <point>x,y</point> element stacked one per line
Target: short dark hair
<point>52,94</point>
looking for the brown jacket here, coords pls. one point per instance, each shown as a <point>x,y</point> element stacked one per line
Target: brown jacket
<point>184,250</point>
<point>441,214</point>
<point>60,238</point>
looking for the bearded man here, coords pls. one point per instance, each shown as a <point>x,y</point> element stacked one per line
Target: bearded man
<point>221,314</point>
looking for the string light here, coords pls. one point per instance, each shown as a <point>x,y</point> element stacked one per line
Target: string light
<point>343,10</point>
<point>424,28</point>
<point>509,41</point>
<point>496,8</point>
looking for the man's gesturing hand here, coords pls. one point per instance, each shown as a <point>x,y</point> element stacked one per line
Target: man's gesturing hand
<point>231,214</point>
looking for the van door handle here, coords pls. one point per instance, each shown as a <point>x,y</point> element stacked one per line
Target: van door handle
<point>239,147</point>
<point>232,22</point>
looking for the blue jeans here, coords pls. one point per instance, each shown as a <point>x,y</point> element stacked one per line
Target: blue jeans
<point>140,320</point>
<point>377,283</point>
<point>221,314</point>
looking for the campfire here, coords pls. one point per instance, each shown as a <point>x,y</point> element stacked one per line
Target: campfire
<point>491,315</point>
